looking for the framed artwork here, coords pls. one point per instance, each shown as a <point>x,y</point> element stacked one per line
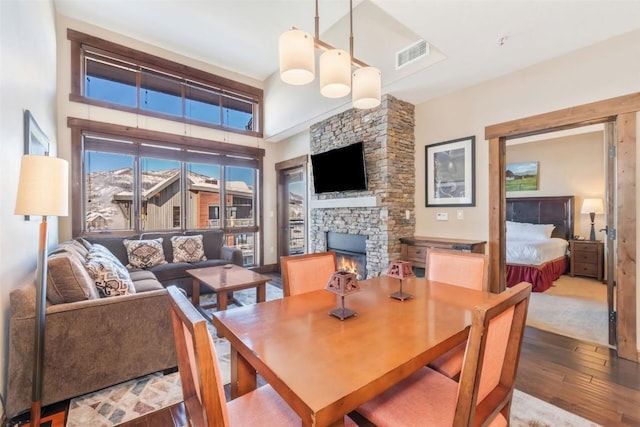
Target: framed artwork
<point>35,142</point>
<point>450,173</point>
<point>522,176</point>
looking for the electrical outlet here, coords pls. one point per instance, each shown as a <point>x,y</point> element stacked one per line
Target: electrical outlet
<point>460,214</point>
<point>442,216</point>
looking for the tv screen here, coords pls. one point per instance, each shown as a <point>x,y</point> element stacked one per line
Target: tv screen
<point>340,169</point>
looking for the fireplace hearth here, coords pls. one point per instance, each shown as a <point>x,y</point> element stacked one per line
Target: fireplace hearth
<point>351,252</point>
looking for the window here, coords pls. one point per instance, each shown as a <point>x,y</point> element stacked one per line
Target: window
<point>132,185</point>
<point>107,74</point>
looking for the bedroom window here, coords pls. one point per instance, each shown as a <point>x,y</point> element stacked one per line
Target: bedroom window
<point>114,76</point>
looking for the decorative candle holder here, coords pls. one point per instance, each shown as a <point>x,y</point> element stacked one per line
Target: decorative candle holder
<point>343,283</point>
<point>400,270</point>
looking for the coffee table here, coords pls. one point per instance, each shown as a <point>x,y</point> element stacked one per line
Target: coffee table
<point>223,280</point>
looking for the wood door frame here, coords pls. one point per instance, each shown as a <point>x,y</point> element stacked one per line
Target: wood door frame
<point>621,112</point>
<point>296,162</point>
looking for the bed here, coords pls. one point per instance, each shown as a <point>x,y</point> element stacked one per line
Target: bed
<point>537,253</point>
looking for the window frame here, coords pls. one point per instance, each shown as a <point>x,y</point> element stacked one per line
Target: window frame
<point>227,88</point>
<point>188,149</point>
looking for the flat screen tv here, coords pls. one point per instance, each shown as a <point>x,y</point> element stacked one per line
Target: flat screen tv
<point>340,169</point>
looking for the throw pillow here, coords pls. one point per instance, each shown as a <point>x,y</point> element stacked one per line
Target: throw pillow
<point>68,279</point>
<point>144,253</point>
<point>110,277</point>
<point>102,250</point>
<point>188,248</point>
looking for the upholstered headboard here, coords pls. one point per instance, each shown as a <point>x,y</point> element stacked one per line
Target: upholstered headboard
<point>556,210</point>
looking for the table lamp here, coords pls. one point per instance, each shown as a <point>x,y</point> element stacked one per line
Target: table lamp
<point>343,283</point>
<point>592,207</point>
<point>400,270</point>
<point>43,189</point>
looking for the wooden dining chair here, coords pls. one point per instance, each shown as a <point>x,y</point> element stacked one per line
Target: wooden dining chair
<point>202,387</point>
<point>466,269</point>
<point>305,273</point>
<point>483,396</point>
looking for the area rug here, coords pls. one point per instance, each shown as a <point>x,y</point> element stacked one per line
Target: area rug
<point>572,307</point>
<point>130,400</point>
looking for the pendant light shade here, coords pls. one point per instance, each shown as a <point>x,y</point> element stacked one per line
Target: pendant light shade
<point>366,87</point>
<point>297,66</point>
<point>335,73</point>
<point>297,57</point>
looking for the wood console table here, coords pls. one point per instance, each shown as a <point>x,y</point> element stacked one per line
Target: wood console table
<point>414,249</point>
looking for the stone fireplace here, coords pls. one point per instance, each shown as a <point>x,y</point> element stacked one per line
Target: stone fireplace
<point>385,211</point>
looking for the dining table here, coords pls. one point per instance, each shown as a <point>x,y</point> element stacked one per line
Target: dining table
<point>324,367</point>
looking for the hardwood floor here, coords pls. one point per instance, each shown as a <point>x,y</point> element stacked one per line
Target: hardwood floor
<point>586,379</point>
<point>579,377</point>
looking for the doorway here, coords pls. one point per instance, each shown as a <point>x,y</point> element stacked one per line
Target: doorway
<point>621,113</point>
<point>567,163</point>
<point>292,206</point>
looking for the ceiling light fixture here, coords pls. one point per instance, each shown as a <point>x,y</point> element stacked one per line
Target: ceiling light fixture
<point>297,66</point>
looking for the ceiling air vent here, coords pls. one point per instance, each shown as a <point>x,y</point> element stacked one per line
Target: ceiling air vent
<point>412,53</point>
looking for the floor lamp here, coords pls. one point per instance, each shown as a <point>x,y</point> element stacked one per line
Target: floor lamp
<point>43,189</point>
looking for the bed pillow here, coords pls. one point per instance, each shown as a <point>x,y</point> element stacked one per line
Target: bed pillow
<point>188,248</point>
<point>526,231</point>
<point>144,253</point>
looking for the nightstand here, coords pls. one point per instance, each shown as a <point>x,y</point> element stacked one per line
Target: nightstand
<point>587,258</point>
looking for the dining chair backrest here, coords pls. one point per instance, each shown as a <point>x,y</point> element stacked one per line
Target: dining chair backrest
<point>466,269</point>
<point>491,358</point>
<point>202,386</point>
<point>305,273</point>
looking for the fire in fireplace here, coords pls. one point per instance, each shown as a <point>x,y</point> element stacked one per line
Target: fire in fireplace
<point>351,252</point>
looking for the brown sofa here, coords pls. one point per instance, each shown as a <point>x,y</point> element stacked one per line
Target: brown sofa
<point>93,342</point>
<point>174,273</point>
<point>89,344</point>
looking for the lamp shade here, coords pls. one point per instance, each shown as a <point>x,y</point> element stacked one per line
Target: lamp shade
<point>297,57</point>
<point>335,73</point>
<point>366,87</point>
<point>343,283</point>
<point>43,186</point>
<point>400,270</point>
<point>592,205</point>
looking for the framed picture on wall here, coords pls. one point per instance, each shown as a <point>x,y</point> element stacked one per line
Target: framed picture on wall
<point>35,142</point>
<point>450,173</point>
<point>522,176</point>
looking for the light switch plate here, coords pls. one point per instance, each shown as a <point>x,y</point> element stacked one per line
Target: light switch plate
<point>460,214</point>
<point>442,216</point>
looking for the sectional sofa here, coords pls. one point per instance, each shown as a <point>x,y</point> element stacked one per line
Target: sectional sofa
<point>93,341</point>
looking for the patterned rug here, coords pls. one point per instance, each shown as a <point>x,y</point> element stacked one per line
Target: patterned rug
<point>127,401</point>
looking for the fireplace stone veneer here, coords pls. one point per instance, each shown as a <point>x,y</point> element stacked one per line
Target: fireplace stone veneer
<point>389,146</point>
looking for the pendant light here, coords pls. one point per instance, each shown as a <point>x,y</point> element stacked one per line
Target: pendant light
<point>297,66</point>
<point>366,88</point>
<point>335,73</point>
<point>297,57</point>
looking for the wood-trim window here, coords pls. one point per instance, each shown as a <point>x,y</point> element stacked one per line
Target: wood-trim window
<point>114,76</point>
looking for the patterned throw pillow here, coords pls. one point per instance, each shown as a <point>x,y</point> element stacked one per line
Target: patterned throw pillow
<point>188,248</point>
<point>144,253</point>
<point>111,277</point>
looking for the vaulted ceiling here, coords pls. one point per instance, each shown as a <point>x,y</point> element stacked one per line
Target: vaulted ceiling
<point>470,41</point>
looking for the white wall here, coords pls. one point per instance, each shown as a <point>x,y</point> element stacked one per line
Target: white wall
<point>572,165</point>
<point>599,72</point>
<point>596,73</point>
<point>27,82</point>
